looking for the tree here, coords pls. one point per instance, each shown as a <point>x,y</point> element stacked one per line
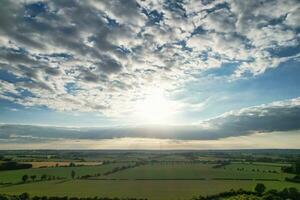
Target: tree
<point>73,173</point>
<point>33,177</point>
<point>293,193</point>
<point>271,197</point>
<point>260,188</point>
<point>43,177</point>
<point>296,167</point>
<point>25,178</point>
<point>24,196</point>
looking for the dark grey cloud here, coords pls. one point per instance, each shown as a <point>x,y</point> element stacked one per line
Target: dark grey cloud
<point>16,56</point>
<point>89,76</point>
<point>276,117</point>
<point>109,65</point>
<point>52,71</point>
<point>4,135</point>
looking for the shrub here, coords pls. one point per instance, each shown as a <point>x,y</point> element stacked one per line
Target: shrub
<point>260,188</point>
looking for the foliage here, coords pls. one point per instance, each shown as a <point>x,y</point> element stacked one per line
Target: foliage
<point>260,188</point>
<point>72,164</point>
<point>73,173</point>
<point>296,167</point>
<point>14,176</point>
<point>11,165</point>
<point>295,179</point>
<point>26,196</point>
<point>44,177</point>
<point>287,193</point>
<point>33,177</point>
<point>25,178</point>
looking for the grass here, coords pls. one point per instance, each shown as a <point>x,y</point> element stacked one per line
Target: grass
<point>14,176</point>
<point>198,171</point>
<point>151,189</point>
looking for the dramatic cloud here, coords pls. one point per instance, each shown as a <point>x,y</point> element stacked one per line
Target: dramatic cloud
<point>103,56</point>
<point>280,116</point>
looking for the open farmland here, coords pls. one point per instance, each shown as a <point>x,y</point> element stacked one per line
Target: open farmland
<point>200,171</point>
<point>15,176</point>
<point>148,174</point>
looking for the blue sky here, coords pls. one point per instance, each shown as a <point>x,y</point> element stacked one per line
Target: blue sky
<point>205,66</point>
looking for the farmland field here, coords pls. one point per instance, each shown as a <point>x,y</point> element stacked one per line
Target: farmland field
<point>199,171</point>
<point>14,176</point>
<point>151,175</point>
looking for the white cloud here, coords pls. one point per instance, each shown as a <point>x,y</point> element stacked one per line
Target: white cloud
<point>293,18</point>
<point>101,56</point>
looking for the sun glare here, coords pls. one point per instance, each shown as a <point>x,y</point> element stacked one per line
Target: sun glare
<point>155,108</point>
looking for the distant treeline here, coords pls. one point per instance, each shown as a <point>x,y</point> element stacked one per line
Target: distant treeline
<point>12,165</point>
<point>26,196</point>
<point>117,169</point>
<point>222,164</point>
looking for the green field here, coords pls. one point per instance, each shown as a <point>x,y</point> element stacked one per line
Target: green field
<point>156,187</point>
<point>151,189</point>
<point>15,176</point>
<point>199,171</point>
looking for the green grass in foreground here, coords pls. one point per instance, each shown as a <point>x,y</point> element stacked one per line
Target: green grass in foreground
<point>151,189</point>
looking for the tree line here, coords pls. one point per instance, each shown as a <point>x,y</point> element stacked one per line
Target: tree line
<point>26,196</point>
<point>12,165</point>
<point>259,191</point>
<point>114,170</point>
<point>25,178</point>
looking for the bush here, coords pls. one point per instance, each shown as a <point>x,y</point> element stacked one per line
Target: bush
<point>260,188</point>
<point>24,196</point>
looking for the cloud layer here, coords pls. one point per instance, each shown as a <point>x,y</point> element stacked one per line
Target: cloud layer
<point>103,56</point>
<point>280,116</point>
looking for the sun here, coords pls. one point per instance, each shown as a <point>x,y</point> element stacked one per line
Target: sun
<point>154,108</point>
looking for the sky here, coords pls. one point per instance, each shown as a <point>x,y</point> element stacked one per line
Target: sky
<point>135,74</point>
